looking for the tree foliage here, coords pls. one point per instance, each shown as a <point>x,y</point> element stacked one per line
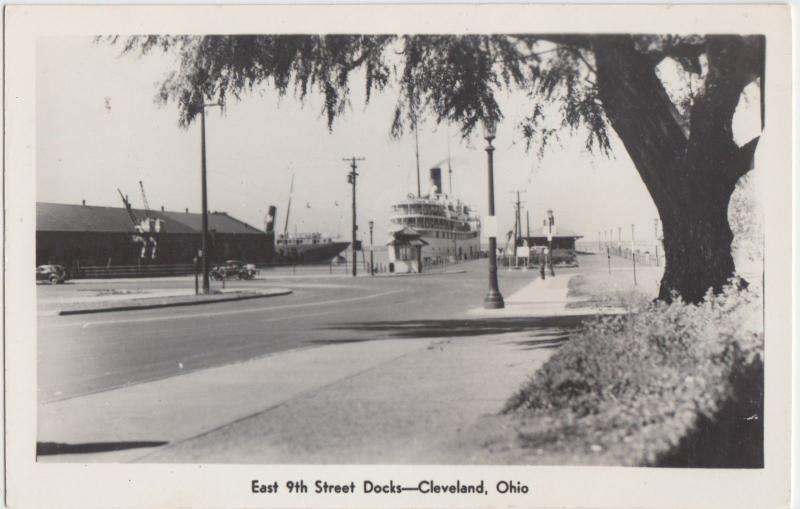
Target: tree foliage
<point>679,138</point>
<point>455,78</point>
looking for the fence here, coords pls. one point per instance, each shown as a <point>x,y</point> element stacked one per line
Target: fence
<point>380,265</point>
<point>131,271</point>
<point>641,258</point>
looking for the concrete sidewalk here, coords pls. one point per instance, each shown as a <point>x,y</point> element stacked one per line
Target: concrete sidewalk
<point>436,404</point>
<point>383,401</point>
<point>541,297</point>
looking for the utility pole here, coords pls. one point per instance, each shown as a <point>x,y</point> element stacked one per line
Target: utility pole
<point>517,224</point>
<point>655,235</point>
<point>351,178</point>
<point>633,238</point>
<point>550,222</point>
<point>449,168</point>
<point>371,260</point>
<point>204,198</point>
<point>528,225</point>
<point>519,219</point>
<point>416,147</point>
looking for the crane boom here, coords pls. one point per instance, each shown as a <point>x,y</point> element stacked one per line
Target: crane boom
<point>144,200</point>
<point>128,209</point>
<point>288,209</point>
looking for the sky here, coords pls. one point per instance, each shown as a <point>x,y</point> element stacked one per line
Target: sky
<point>99,130</point>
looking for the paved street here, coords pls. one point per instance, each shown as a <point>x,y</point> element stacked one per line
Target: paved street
<point>88,353</point>
<point>367,369</point>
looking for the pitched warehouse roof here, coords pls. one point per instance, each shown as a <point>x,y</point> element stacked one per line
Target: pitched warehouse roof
<point>559,233</point>
<point>217,221</point>
<point>87,218</point>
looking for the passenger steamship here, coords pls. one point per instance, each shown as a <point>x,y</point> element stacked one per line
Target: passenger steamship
<point>432,228</point>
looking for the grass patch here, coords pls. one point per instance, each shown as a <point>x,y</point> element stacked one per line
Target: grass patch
<point>598,290</point>
<point>671,385</point>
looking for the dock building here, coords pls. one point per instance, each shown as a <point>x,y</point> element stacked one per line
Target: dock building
<point>81,237</point>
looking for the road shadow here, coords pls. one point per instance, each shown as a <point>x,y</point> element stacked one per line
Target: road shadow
<point>551,340</point>
<point>54,448</point>
<point>559,326</point>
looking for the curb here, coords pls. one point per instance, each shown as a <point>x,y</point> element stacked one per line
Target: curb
<point>230,298</point>
<point>416,274</point>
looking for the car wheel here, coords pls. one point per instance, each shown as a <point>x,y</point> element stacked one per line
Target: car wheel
<point>53,280</point>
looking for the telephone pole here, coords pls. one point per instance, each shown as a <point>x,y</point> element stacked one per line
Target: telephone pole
<point>204,197</point>
<point>519,223</point>
<point>517,219</point>
<point>351,178</point>
<point>655,235</point>
<point>528,226</point>
<point>416,149</point>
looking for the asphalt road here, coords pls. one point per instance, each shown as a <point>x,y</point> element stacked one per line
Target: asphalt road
<point>83,354</point>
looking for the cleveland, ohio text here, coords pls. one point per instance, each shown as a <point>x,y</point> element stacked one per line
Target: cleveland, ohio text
<point>368,487</point>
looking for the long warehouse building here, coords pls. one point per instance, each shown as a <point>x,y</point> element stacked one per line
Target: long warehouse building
<point>81,236</point>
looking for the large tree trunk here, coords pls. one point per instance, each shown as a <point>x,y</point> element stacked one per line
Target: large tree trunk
<point>690,167</point>
<point>697,250</point>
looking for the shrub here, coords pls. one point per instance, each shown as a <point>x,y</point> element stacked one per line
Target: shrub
<point>628,389</point>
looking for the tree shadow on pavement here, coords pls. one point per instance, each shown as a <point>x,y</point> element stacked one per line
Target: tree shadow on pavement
<point>53,448</point>
<point>550,340</point>
<point>557,326</point>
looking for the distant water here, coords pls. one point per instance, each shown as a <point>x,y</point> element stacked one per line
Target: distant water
<point>643,246</point>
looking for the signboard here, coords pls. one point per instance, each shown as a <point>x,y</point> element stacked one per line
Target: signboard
<point>490,226</point>
<point>523,252</point>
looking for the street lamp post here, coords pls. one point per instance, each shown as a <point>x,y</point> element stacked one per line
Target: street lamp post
<point>371,261</point>
<point>204,240</point>
<point>493,299</point>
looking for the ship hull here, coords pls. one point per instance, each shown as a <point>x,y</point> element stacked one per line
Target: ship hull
<point>439,248</point>
<point>310,253</point>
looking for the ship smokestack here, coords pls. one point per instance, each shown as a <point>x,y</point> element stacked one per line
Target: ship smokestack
<point>436,180</point>
<point>269,223</point>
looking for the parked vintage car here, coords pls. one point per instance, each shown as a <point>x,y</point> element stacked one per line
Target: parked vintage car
<point>53,274</point>
<point>233,269</point>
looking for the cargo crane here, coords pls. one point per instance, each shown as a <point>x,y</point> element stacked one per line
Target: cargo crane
<point>149,224</point>
<point>137,225</point>
<point>142,226</point>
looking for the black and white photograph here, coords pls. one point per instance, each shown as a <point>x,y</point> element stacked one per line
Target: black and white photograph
<point>440,247</point>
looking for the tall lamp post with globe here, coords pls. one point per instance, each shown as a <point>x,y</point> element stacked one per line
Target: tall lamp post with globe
<point>493,299</point>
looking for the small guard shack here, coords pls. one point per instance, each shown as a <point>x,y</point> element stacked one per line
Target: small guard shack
<point>405,250</point>
<point>561,240</point>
